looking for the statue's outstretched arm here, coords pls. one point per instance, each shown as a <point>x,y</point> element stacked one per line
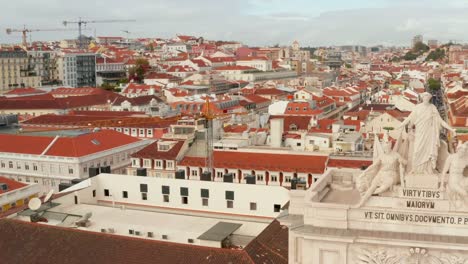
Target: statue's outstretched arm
<point>445,125</point>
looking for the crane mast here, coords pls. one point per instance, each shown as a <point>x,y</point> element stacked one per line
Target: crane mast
<point>24,31</point>
<point>81,23</point>
<point>209,116</point>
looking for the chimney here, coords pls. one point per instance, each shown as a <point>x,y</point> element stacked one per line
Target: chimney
<point>276,132</point>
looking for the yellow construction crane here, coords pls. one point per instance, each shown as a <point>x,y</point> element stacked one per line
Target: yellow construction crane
<point>81,22</point>
<point>25,31</point>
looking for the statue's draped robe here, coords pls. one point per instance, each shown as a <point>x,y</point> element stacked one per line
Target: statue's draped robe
<point>427,122</point>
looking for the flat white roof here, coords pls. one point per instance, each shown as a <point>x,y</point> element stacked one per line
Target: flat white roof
<point>177,227</point>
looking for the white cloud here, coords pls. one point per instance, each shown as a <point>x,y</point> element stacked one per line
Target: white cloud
<point>240,20</point>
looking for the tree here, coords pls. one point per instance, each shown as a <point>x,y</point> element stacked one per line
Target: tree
<point>409,56</point>
<point>434,84</point>
<point>108,87</point>
<point>138,71</point>
<point>436,55</point>
<point>420,47</point>
<point>151,47</point>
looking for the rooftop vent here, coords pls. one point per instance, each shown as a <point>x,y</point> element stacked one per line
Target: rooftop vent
<point>96,142</point>
<point>3,187</point>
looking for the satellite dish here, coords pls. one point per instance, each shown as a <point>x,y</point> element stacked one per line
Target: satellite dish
<point>48,196</point>
<point>34,204</point>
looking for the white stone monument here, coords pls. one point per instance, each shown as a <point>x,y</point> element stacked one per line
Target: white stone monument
<point>409,207</point>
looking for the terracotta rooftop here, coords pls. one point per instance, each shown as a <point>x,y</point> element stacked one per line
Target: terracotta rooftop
<point>52,244</point>
<point>262,161</point>
<point>348,163</point>
<point>78,146</point>
<point>152,151</point>
<point>11,184</point>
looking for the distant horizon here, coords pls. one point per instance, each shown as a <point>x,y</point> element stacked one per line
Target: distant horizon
<point>252,22</point>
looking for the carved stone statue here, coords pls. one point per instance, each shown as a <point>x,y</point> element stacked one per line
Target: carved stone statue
<point>383,174</point>
<point>457,184</point>
<point>427,122</point>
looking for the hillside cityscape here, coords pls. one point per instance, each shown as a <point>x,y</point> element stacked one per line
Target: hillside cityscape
<point>191,149</point>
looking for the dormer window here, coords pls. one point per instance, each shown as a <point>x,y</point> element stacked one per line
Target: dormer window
<point>163,147</point>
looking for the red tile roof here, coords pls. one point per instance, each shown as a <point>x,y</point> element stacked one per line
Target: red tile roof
<point>140,100</point>
<point>78,146</point>
<point>52,244</point>
<point>234,68</point>
<point>152,152</point>
<point>22,91</point>
<point>262,161</point>
<point>49,102</point>
<point>11,184</point>
<point>301,122</point>
<point>135,88</point>
<point>253,98</point>
<point>235,128</point>
<point>348,163</point>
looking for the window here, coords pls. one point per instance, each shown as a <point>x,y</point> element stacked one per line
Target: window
<point>125,194</point>
<point>190,240</point>
<point>10,165</point>
<point>253,206</point>
<point>194,172</point>
<point>287,179</point>
<point>219,174</point>
<point>165,189</point>
<point>184,200</point>
<point>70,170</point>
<point>158,164</point>
<point>259,177</point>
<point>34,167</point>
<point>205,201</point>
<point>276,208</point>
<point>150,234</point>
<point>144,196</point>
<point>26,166</point>
<point>229,204</point>
<point>3,164</point>
<point>130,231</point>
<point>169,164</point>
<point>184,191</point>
<point>274,178</point>
<point>165,237</point>
<point>166,198</point>
<point>94,193</point>
<point>143,188</point>
<point>298,144</point>
<point>85,169</point>
<point>106,192</point>
<point>229,195</point>
<point>18,165</point>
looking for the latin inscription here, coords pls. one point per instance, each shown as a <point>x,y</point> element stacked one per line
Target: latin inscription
<point>424,194</point>
<point>416,218</point>
<point>420,204</point>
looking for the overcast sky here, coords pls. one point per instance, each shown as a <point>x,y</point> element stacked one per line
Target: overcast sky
<point>254,22</point>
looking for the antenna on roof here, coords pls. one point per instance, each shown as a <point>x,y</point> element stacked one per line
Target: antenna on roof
<point>34,205</point>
